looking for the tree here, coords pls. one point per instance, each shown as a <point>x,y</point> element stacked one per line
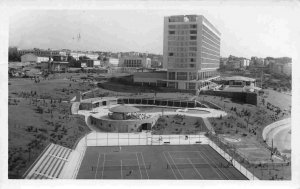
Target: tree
<point>248,114</point>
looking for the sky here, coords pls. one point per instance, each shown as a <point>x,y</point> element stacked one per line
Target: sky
<point>248,29</point>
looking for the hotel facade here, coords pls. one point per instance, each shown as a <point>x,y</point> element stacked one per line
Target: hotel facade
<point>191,51</point>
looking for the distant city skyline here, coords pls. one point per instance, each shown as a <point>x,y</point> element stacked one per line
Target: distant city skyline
<point>247,30</point>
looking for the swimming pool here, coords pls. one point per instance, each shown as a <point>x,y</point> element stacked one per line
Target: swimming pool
<point>153,109</point>
<point>193,111</point>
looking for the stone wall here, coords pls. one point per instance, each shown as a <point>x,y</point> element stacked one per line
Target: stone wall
<point>122,126</point>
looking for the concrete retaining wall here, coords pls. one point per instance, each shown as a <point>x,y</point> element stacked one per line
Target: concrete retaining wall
<point>249,98</point>
<point>121,126</point>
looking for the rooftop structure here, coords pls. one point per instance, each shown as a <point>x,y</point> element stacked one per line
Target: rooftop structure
<point>238,78</point>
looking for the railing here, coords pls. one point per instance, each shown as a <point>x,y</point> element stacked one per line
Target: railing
<point>243,164</point>
<point>236,164</point>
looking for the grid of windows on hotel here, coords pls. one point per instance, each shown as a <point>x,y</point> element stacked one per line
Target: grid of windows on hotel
<point>182,42</point>
<point>210,49</point>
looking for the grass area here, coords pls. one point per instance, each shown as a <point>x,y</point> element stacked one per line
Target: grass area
<point>246,122</point>
<point>178,124</point>
<point>33,122</point>
<point>50,89</point>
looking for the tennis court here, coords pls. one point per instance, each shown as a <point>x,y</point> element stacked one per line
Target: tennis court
<point>156,162</point>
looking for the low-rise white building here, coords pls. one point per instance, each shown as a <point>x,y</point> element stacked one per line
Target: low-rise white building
<point>114,62</point>
<point>76,55</point>
<point>135,62</point>
<point>33,58</point>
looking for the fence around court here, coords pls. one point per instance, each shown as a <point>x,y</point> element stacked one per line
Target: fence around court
<point>244,165</point>
<point>236,164</point>
<point>144,138</point>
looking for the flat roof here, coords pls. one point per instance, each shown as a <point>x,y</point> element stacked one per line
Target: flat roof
<point>238,78</point>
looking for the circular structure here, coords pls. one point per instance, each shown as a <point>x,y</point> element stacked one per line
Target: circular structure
<point>124,109</point>
<point>123,112</point>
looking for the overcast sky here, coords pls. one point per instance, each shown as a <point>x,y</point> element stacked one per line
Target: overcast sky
<point>248,29</point>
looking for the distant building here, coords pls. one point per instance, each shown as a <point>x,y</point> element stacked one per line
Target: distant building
<point>156,62</point>
<point>234,63</point>
<point>89,63</point>
<point>56,64</point>
<point>76,55</point>
<point>281,68</point>
<point>256,62</point>
<point>114,62</point>
<point>245,62</point>
<point>135,62</point>
<point>42,53</point>
<point>32,58</point>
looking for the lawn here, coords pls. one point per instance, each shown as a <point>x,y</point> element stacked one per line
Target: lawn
<point>247,122</point>
<point>50,89</point>
<point>35,122</point>
<point>178,124</point>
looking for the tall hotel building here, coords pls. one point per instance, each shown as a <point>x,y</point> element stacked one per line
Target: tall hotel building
<point>191,51</point>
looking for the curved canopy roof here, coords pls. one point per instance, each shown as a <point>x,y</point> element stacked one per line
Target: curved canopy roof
<point>124,109</point>
<point>239,78</point>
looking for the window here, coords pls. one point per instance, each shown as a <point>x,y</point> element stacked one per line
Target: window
<point>192,54</point>
<point>193,37</point>
<point>181,75</point>
<point>172,26</point>
<point>193,43</point>
<point>171,54</point>
<point>192,60</point>
<point>171,75</point>
<point>192,86</point>
<point>193,32</point>
<point>193,48</point>
<point>171,32</point>
<point>194,26</point>
<point>172,85</point>
<point>192,65</point>
<point>192,75</point>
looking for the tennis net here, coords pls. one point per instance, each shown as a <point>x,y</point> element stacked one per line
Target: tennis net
<point>122,167</point>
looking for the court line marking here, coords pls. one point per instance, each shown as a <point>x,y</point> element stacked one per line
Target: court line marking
<point>97,165</point>
<point>217,167</point>
<point>175,165</point>
<point>170,164</point>
<point>144,164</point>
<point>121,170</point>
<point>103,165</point>
<point>200,153</point>
<point>195,168</point>
<point>119,160</point>
<point>138,165</point>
